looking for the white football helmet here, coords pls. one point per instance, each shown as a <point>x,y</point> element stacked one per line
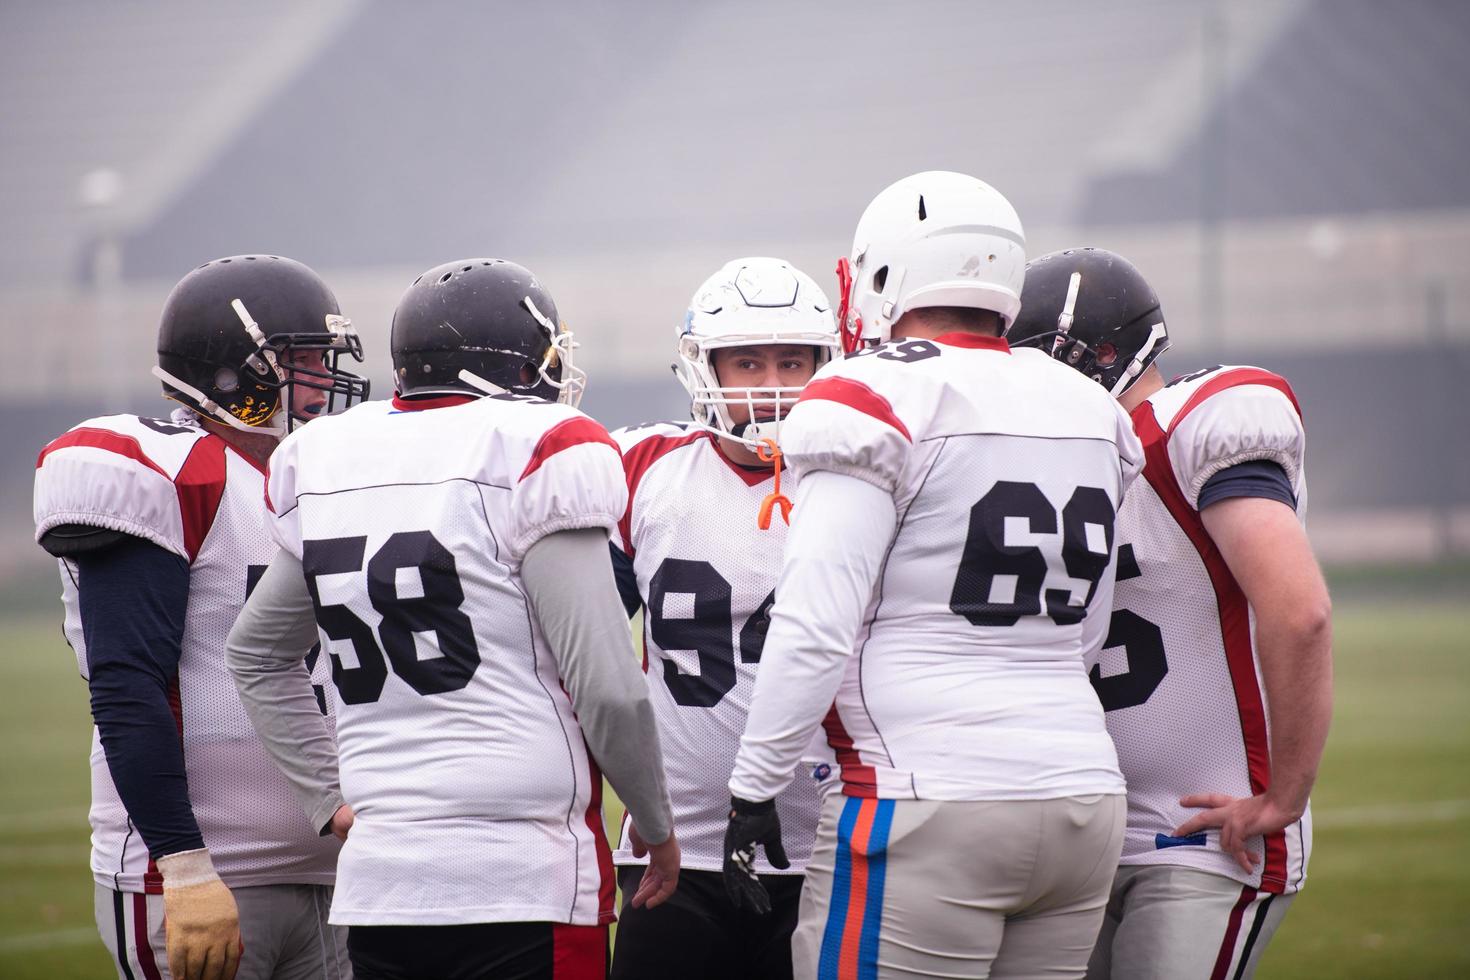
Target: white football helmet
<point>934,239</point>
<point>748,302</point>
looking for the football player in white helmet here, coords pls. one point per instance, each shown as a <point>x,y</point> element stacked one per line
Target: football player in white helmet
<point>1221,633</point>
<point>699,551</point>
<point>950,561</point>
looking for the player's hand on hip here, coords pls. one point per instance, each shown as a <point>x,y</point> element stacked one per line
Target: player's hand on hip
<point>1237,819</point>
<point>341,822</point>
<point>201,922</point>
<point>662,875</point>
<point>751,824</point>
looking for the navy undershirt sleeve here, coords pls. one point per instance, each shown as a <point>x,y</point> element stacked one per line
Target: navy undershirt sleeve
<point>626,579</point>
<point>133,597</point>
<point>1256,478</point>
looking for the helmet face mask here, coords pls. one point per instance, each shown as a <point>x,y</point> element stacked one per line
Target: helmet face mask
<point>932,239</point>
<point>1093,311</point>
<point>477,326</point>
<point>214,357</point>
<point>751,302</point>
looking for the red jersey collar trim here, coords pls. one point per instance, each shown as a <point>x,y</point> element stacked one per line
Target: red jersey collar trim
<point>420,404</point>
<point>752,476</point>
<point>974,341</point>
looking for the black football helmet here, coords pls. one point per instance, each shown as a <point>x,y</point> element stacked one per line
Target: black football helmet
<point>489,318</point>
<point>1091,309</point>
<point>227,329</point>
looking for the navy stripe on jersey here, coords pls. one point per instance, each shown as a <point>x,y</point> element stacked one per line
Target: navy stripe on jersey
<point>133,600</point>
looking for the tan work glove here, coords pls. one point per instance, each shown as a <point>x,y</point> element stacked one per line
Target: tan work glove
<point>200,919</point>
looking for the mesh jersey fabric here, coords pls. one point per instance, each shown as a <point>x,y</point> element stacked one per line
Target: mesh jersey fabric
<point>474,794</point>
<point>707,576</point>
<point>1179,674</point>
<point>1006,470</point>
<point>174,484</point>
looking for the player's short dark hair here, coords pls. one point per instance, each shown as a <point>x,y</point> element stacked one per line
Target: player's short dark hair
<point>959,318</point>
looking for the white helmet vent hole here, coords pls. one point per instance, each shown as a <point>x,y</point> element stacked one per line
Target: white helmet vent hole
<point>446,277</point>
<point>880,279</point>
<point>922,213</point>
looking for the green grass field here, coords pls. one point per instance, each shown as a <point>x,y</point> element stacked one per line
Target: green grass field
<point>1389,893</point>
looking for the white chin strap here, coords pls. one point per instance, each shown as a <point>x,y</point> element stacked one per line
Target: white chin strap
<point>211,406</point>
<point>1064,318</point>
<point>1139,362</point>
<point>480,384</point>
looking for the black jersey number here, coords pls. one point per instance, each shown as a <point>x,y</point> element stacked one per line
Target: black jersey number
<point>905,352</point>
<point>999,583</point>
<point>435,609</point>
<point>706,630</point>
<point>1143,646</point>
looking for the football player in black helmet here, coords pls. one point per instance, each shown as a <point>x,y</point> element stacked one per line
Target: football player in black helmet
<point>253,342</point>
<point>517,573</point>
<point>158,524</point>
<point>488,320</point>
<point>1221,631</point>
<point>1112,337</point>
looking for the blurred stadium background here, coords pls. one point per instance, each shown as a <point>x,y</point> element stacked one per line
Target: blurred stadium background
<point>1293,176</point>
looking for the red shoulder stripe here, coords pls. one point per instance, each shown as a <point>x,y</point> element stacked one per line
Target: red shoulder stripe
<point>113,442</point>
<point>636,462</point>
<point>1235,627</point>
<point>564,435</point>
<point>200,486</point>
<point>855,395</point>
<point>1234,379</point>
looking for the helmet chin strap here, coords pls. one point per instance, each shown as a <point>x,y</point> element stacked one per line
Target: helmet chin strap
<point>211,406</point>
<point>1064,319</point>
<point>1140,360</point>
<point>480,384</point>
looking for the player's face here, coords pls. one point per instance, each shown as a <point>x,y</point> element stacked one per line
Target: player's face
<point>762,368</point>
<point>306,401</point>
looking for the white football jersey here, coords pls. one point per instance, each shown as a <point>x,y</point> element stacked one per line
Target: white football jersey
<point>185,490</point>
<point>1006,471</point>
<point>707,575</point>
<point>1178,674</point>
<point>474,794</point>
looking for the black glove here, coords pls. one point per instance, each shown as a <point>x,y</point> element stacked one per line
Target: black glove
<point>751,824</point>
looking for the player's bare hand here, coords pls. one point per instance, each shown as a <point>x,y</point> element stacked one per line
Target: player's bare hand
<point>341,822</point>
<point>201,922</point>
<point>1237,819</point>
<point>662,876</point>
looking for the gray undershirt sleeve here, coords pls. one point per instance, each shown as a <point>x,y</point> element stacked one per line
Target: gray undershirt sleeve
<point>570,585</point>
<point>266,652</point>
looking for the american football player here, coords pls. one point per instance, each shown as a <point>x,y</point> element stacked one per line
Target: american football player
<point>197,841</point>
<point>1216,673</point>
<point>950,561</point>
<point>698,549</point>
<point>449,549</point>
